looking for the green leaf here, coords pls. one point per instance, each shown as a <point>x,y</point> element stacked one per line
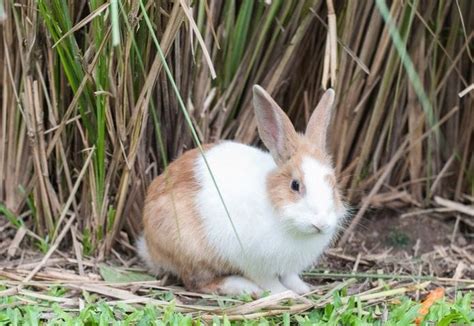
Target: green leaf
<point>16,222</point>
<point>116,275</point>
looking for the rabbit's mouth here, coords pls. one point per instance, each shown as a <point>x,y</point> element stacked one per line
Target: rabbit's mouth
<point>317,228</point>
<point>299,227</point>
<point>320,228</point>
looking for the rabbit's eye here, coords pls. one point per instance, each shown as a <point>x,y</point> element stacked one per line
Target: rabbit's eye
<point>295,185</point>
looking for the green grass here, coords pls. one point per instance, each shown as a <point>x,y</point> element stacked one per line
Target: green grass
<point>16,310</point>
<point>398,238</point>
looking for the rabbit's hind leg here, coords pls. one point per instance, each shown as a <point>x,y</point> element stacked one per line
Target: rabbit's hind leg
<point>157,264</point>
<point>232,285</point>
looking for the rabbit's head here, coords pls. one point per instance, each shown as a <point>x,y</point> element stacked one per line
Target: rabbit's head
<point>303,188</point>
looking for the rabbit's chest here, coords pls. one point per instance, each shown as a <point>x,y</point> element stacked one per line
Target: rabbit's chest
<point>257,244</point>
<point>282,254</point>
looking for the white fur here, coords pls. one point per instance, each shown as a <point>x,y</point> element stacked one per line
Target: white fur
<point>295,283</point>
<point>270,249</point>
<point>235,285</point>
<point>142,250</point>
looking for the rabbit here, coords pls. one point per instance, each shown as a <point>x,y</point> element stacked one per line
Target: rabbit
<point>275,214</point>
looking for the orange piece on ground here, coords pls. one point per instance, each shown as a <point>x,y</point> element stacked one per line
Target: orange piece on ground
<point>431,298</point>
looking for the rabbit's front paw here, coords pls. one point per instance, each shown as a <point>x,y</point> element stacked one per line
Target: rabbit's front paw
<point>295,283</point>
<point>271,284</point>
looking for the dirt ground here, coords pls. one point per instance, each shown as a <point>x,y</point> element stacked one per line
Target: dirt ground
<point>401,243</point>
<point>385,229</point>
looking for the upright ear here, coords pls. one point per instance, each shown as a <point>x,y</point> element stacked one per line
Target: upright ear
<point>274,127</point>
<point>317,128</point>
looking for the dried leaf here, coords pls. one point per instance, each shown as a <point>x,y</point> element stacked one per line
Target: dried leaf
<point>432,297</point>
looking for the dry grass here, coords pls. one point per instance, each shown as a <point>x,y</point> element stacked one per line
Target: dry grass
<point>89,115</point>
<point>59,287</point>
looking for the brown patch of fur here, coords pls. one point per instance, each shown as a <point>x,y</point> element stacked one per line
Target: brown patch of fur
<point>173,229</point>
<point>278,182</point>
<point>217,287</point>
<point>212,287</point>
<point>289,144</point>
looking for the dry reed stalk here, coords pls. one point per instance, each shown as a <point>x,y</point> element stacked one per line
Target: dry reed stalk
<point>66,87</point>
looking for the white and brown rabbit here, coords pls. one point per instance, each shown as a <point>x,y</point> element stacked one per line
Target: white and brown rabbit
<point>285,207</point>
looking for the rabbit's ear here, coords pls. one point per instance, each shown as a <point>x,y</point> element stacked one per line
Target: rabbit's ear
<point>317,128</point>
<point>274,127</point>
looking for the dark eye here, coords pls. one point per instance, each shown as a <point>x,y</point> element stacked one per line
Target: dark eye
<point>295,185</point>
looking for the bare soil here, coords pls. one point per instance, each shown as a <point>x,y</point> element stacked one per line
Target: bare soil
<point>387,229</point>
<point>416,245</point>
